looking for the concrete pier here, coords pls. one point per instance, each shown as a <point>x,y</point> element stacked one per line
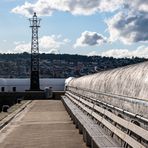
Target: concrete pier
<point>43,124</point>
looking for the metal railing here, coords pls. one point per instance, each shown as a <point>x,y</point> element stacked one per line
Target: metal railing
<point>130,133</point>
<point>115,96</point>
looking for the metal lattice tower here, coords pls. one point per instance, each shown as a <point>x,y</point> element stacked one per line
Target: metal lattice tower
<point>34,78</point>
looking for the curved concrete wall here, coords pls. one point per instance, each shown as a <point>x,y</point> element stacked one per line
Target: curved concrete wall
<point>125,88</point>
<point>131,81</point>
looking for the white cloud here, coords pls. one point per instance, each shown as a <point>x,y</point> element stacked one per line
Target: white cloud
<point>4,41</point>
<point>76,7</point>
<point>54,51</point>
<point>88,38</point>
<point>48,44</point>
<point>141,51</point>
<point>67,40</point>
<point>18,42</point>
<point>117,53</point>
<point>128,27</point>
<point>137,5</point>
<point>92,53</point>
<point>42,8</point>
<point>110,5</point>
<point>22,47</point>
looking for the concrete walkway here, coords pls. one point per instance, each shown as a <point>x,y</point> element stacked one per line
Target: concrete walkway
<point>43,124</point>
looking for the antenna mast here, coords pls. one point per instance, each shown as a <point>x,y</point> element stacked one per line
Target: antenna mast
<point>34,76</point>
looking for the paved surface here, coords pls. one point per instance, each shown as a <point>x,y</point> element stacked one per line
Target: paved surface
<point>43,124</point>
<point>11,109</point>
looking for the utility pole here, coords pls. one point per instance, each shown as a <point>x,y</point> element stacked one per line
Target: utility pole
<point>34,76</point>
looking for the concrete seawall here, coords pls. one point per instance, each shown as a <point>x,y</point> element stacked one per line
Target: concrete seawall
<point>10,98</point>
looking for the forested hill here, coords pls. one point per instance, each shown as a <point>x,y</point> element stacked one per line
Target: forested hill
<point>60,65</point>
<point>71,58</point>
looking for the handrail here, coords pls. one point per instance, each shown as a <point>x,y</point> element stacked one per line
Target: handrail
<point>122,97</point>
<point>139,117</point>
<point>126,124</point>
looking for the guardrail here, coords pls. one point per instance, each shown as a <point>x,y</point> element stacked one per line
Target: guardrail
<point>130,134</point>
<point>83,93</point>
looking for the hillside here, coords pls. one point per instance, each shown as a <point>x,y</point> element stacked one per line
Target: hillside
<point>60,65</point>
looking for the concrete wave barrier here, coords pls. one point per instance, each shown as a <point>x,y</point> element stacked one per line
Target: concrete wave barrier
<point>117,101</point>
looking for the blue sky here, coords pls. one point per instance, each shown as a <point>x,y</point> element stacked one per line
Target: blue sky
<point>91,27</point>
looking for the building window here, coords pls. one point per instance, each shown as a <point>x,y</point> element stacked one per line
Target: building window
<point>14,89</point>
<point>2,89</point>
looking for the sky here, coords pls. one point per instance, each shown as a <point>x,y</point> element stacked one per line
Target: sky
<point>117,28</point>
